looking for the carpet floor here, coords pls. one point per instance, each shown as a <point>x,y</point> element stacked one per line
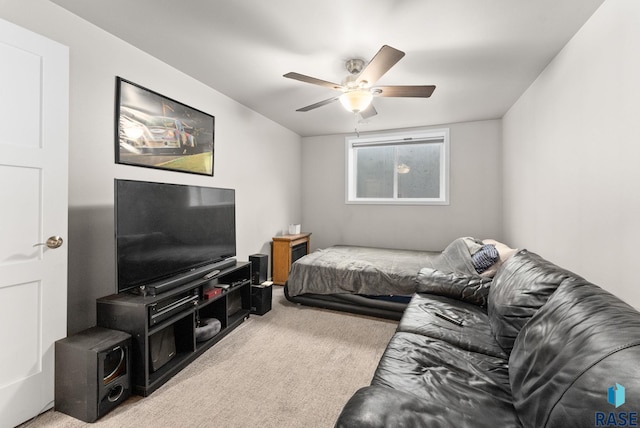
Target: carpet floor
<point>295,366</point>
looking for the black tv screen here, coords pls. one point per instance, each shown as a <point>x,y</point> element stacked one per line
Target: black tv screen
<point>167,230</point>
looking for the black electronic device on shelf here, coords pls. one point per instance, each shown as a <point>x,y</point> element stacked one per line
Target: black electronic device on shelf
<point>170,234</point>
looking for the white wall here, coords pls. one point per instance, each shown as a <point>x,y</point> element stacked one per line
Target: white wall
<point>571,155</point>
<point>246,144</point>
<point>475,196</point>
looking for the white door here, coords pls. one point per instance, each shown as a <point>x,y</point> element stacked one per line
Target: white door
<point>34,92</point>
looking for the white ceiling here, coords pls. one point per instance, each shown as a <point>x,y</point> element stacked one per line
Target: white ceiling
<point>481,54</point>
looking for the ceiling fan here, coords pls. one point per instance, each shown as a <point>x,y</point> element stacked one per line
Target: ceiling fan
<point>358,88</point>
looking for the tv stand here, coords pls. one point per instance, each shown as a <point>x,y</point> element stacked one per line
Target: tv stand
<point>162,327</point>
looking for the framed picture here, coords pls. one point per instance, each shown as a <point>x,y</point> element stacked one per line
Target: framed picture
<point>154,131</point>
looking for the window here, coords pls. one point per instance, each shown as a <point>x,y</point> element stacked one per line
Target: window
<point>402,168</point>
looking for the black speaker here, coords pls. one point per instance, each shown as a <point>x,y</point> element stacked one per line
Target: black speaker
<point>162,347</point>
<point>261,299</point>
<point>259,265</point>
<point>92,372</point>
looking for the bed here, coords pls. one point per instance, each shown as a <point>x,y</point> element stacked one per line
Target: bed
<point>380,281</point>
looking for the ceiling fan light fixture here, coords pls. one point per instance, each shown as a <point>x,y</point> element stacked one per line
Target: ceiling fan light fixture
<point>357,100</point>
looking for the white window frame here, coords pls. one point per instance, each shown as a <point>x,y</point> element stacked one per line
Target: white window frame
<point>434,136</point>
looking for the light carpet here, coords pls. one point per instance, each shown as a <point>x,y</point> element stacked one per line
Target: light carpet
<point>295,366</point>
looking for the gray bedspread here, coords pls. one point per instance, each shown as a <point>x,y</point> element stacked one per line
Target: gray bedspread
<point>373,271</point>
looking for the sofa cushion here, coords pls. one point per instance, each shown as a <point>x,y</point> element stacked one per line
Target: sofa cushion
<point>466,287</point>
<point>519,289</point>
<point>474,334</point>
<point>453,383</point>
<point>577,346</point>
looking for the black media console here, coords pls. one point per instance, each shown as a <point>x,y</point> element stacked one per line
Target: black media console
<point>163,327</point>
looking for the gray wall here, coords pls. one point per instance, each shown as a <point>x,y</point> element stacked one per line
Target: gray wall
<point>568,182</point>
<point>475,196</point>
<point>244,143</point>
<point>571,152</point>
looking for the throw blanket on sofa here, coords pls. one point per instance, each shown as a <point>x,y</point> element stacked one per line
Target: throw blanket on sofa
<point>375,271</point>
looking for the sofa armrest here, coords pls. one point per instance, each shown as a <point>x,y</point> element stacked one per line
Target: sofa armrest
<point>379,406</point>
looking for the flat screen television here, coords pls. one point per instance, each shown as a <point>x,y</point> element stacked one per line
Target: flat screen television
<point>169,234</point>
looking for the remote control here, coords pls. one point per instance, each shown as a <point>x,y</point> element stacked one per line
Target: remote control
<point>211,274</point>
<point>448,318</point>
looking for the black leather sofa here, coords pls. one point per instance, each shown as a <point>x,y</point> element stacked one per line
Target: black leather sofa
<point>549,349</point>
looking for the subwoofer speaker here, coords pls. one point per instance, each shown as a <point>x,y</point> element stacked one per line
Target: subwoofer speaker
<point>261,299</point>
<point>92,372</point>
<point>259,265</point>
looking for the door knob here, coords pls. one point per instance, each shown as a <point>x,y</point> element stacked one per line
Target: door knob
<point>53,242</point>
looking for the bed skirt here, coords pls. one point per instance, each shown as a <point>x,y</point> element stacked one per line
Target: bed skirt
<point>353,303</point>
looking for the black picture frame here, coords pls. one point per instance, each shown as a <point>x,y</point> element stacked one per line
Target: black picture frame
<point>154,131</point>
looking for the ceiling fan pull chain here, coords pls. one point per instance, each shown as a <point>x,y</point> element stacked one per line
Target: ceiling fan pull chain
<point>355,125</point>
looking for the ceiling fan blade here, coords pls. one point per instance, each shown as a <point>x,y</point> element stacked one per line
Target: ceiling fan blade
<point>368,112</point>
<point>386,58</point>
<point>404,91</point>
<point>312,80</point>
<point>318,104</point>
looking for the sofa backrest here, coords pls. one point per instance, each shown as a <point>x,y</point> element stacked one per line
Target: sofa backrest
<point>522,285</point>
<point>576,362</point>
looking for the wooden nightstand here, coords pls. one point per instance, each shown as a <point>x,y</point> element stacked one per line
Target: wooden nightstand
<point>286,250</point>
